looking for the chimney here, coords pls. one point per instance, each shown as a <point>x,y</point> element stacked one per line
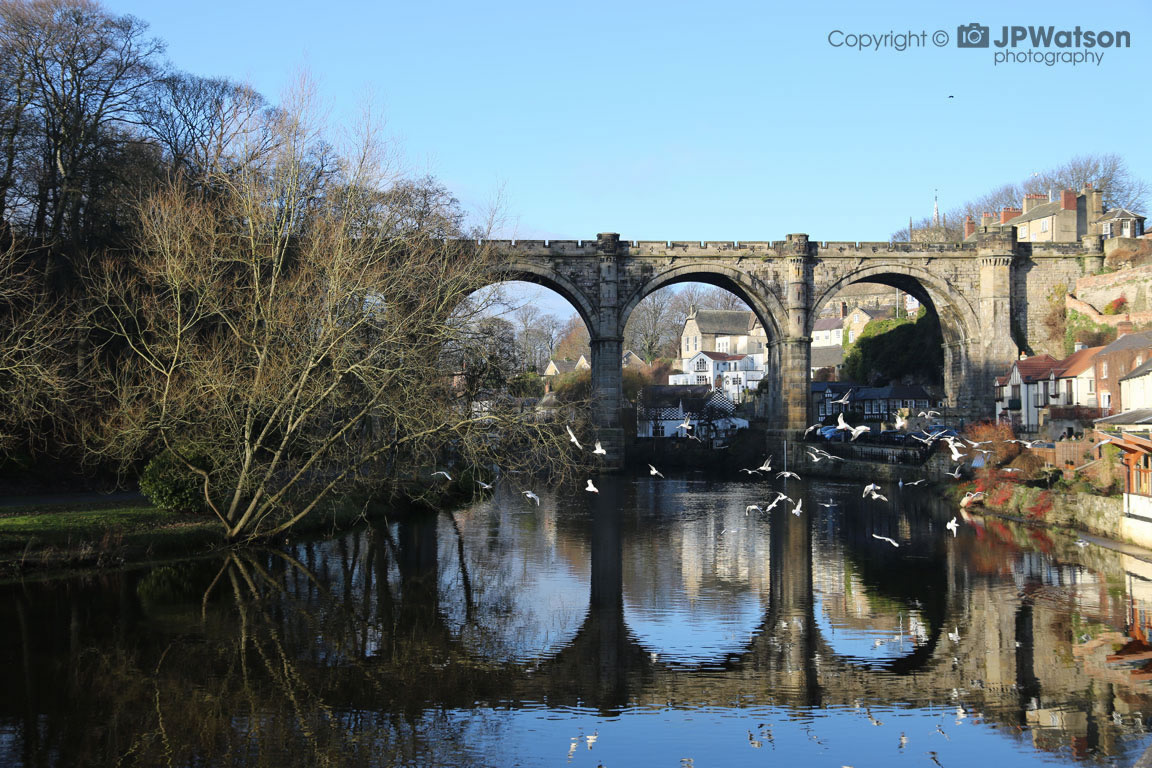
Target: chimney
<point>1095,203</point>
<point>1031,201</point>
<point>1007,213</point>
<point>987,219</point>
<point>1078,346</point>
<point>1067,200</point>
<point>843,310</point>
<point>1123,328</point>
<point>969,227</point>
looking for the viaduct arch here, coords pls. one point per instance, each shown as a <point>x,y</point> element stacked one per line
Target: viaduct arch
<point>981,291</point>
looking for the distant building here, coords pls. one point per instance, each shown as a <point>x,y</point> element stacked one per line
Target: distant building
<point>734,375</point>
<point>1062,217</point>
<point>661,411</point>
<point>830,359</point>
<point>1025,390</point>
<point>876,403</point>
<point>1072,402</point>
<point>1136,387</point>
<point>715,330</point>
<point>828,332</point>
<point>558,367</point>
<point>1120,222</point>
<point>858,317</point>
<point>1117,360</point>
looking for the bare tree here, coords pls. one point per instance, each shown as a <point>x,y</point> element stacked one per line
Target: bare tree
<point>282,342</point>
<point>1108,172</point>
<point>79,73</point>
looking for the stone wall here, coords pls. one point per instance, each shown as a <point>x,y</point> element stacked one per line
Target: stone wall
<point>1134,284</point>
<point>1121,252</point>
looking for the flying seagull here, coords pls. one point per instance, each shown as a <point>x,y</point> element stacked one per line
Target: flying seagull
<point>483,485</point>
<point>841,424</point>
<point>653,471</point>
<point>786,473</point>
<point>751,507</point>
<point>814,426</point>
<point>796,509</point>
<point>901,422</point>
<point>878,496</point>
<point>599,450</point>
<point>572,437</point>
<point>532,496</point>
<point>857,431</point>
<point>687,423</point>
<point>843,400</point>
<point>591,488</point>
<point>916,482</point>
<point>952,526</point>
<point>885,538</point>
<point>447,476</point>
<point>955,472</point>
<point>870,488</point>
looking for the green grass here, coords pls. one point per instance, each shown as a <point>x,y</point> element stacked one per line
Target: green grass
<point>71,521</point>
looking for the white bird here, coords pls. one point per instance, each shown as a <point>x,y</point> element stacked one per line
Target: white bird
<point>841,424</point>
<point>766,466</point>
<point>447,476</point>
<point>827,504</point>
<point>901,422</point>
<point>878,496</point>
<point>779,498</point>
<point>483,485</point>
<point>750,471</point>
<point>786,473</point>
<point>653,471</point>
<point>591,488</point>
<point>870,488</point>
<point>751,507</point>
<point>599,450</point>
<point>857,431</point>
<point>971,498</point>
<point>687,423</point>
<point>956,455</point>
<point>955,472</point>
<point>816,458</point>
<point>885,538</point>
<point>572,437</point>
<point>532,496</point>
<point>977,443</point>
<point>952,526</point>
<point>797,508</point>
<point>916,482</point>
<point>814,426</point>
<point>843,400</point>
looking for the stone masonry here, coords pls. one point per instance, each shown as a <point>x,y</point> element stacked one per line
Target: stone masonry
<point>990,296</point>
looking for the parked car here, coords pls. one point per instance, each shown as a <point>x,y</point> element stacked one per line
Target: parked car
<point>893,437</point>
<point>830,433</point>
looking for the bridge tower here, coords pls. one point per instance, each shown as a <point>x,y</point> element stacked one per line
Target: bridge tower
<point>607,342</point>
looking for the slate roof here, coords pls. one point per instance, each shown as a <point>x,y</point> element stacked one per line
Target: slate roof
<point>724,322</point>
<point>891,392</point>
<point>828,324</point>
<point>1138,416</point>
<point>827,357</point>
<point>563,366</point>
<point>722,357</point>
<point>1042,211</point>
<point>1140,340</point>
<point>1119,213</point>
<point>695,399</point>
<point>1139,370</point>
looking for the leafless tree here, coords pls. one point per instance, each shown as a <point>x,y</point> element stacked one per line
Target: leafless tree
<point>283,341</point>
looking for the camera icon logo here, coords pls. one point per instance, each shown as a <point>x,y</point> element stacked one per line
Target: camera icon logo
<point>972,36</point>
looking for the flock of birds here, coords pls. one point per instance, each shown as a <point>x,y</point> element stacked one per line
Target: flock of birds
<point>961,450</point>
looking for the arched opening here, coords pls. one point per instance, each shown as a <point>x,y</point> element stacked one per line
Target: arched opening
<point>897,330</point>
<point>710,355</point>
<point>725,335</point>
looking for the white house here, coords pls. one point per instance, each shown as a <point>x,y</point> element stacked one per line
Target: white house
<point>1136,388</point>
<point>828,332</point>
<point>661,412</point>
<point>731,374</point>
<point>1027,389</point>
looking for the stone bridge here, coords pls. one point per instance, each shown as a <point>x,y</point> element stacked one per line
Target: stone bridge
<point>990,296</point>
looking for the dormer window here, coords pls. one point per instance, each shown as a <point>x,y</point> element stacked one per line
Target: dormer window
<point>701,364</point>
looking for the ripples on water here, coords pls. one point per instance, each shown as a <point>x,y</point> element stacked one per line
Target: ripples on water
<point>652,624</point>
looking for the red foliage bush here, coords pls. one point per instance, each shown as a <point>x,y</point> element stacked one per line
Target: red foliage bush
<point>1041,507</point>
<point>1116,306</point>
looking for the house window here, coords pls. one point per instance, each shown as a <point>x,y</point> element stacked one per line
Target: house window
<point>1023,230</point>
<point>1106,229</point>
<point>1139,361</point>
<point>657,429</point>
<point>701,365</point>
<point>701,379</point>
<point>823,409</point>
<point>1092,386</point>
<point>1044,225</point>
<point>1104,369</point>
<point>1106,399</point>
<point>1015,391</point>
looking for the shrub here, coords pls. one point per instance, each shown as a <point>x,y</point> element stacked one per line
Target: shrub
<point>1041,507</point>
<point>169,484</point>
<point>1116,306</point>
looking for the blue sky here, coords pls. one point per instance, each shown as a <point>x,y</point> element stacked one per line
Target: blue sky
<point>717,121</point>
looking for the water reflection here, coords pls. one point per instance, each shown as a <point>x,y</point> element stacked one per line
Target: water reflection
<point>655,621</point>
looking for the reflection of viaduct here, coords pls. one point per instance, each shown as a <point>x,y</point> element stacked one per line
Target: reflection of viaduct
<point>985,294</point>
<point>788,661</point>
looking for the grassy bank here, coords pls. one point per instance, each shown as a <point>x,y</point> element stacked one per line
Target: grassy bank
<point>38,538</point>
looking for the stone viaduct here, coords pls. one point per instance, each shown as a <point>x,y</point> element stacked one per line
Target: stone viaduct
<point>990,296</point>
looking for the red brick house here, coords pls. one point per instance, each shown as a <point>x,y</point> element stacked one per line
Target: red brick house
<point>1129,351</point>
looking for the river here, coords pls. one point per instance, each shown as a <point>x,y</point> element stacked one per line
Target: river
<point>654,623</point>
